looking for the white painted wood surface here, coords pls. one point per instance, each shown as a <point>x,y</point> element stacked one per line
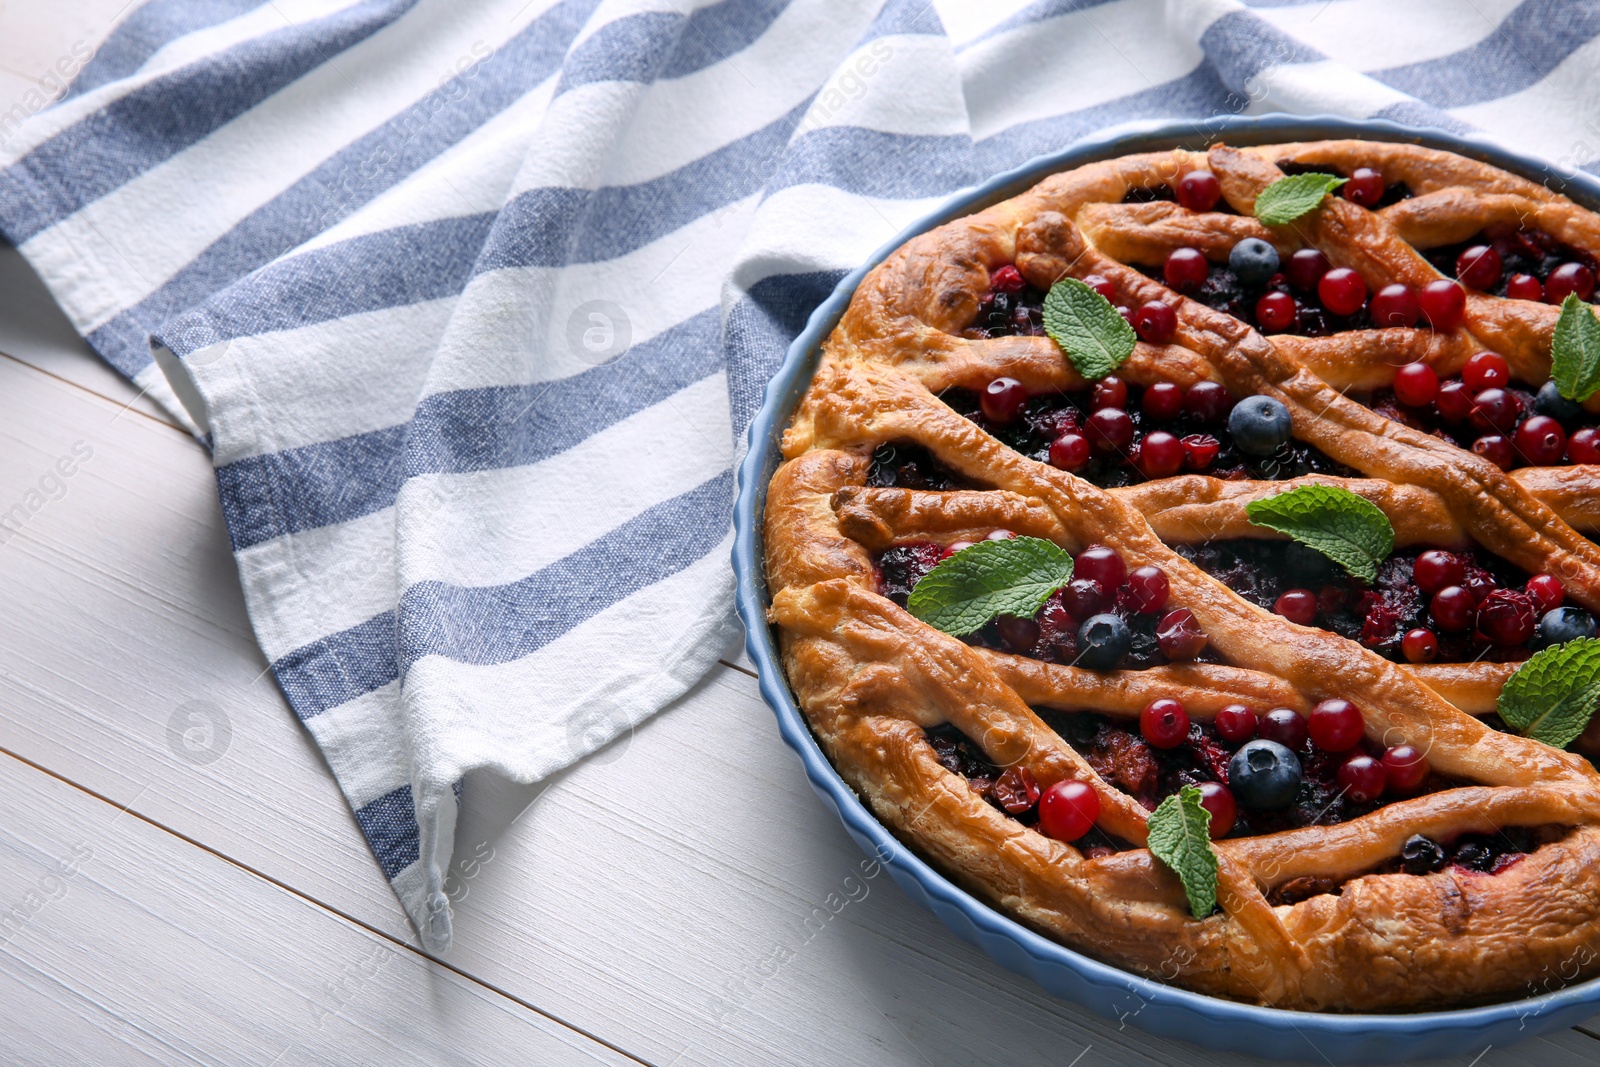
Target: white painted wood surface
<point>651,903</point>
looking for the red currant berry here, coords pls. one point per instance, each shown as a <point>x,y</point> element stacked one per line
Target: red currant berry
<point>1419,646</point>
<point>1164,723</point>
<point>1506,618</point>
<point>1083,597</point>
<point>1155,322</point>
<point>1583,446</point>
<point>1179,636</point>
<point>1018,633</point>
<point>1454,401</point>
<point>1495,409</point>
<point>1573,278</point>
<point>1285,726</point>
<point>953,548</point>
<point>1218,800</point>
<point>1365,187</point>
<point>1109,392</point>
<point>1007,280</point>
<point>1452,609</point>
<point>1068,810</point>
<point>1443,303</point>
<point>1185,269</point>
<point>1199,450</point>
<point>1102,285</point>
<point>1342,291</point>
<point>1276,312</point>
<point>1486,370</point>
<point>1416,384</point>
<point>1160,455</point>
<point>1306,268</point>
<point>1235,723</point>
<point>1207,402</point>
<point>1297,605</point>
<point>1407,769</point>
<point>1362,778</point>
<point>1547,592</point>
<point>1099,563</point>
<point>1436,569</point>
<point>1149,588</point>
<point>1335,726</point>
<point>1162,401</point>
<point>1198,190</point>
<point>1110,430</point>
<point>1127,314</point>
<point>1541,440</point>
<point>1395,305</point>
<point>1479,267</point>
<point>1524,287</point>
<point>1496,450</point>
<point>1002,400</point>
<point>1069,452</point>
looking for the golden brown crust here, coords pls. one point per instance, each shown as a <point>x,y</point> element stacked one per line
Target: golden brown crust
<point>870,677</point>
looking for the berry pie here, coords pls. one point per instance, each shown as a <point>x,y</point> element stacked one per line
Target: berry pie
<point>1190,556</point>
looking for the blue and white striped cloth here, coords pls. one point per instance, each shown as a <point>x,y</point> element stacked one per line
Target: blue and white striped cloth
<point>471,302</point>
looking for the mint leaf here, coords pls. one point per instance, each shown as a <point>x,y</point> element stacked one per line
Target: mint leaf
<point>1575,351</point>
<point>990,578</point>
<point>1346,528</point>
<point>1095,338</point>
<point>1552,695</point>
<point>1180,836</point>
<point>1288,198</point>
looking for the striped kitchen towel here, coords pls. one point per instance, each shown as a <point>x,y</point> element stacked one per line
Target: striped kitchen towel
<point>472,302</point>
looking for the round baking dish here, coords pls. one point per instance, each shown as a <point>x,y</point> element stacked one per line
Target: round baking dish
<point>1108,990</point>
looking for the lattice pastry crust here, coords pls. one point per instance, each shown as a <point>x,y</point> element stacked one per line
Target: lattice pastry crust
<point>871,678</point>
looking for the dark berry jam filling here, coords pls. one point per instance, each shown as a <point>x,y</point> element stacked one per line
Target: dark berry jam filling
<point>1528,252</point>
<point>1509,425</point>
<point>907,466</point>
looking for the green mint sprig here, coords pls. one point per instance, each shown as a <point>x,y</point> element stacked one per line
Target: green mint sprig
<point>1346,528</point>
<point>1575,351</point>
<point>1179,835</point>
<point>1011,577</point>
<point>1551,697</point>
<point>1096,339</point>
<point>1288,198</point>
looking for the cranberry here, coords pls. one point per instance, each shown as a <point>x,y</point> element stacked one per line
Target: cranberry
<point>1454,401</point>
<point>1524,287</point>
<point>1068,810</point>
<point>1342,291</point>
<point>1127,314</point>
<point>1365,187</point>
<point>1100,564</point>
<point>1160,455</point>
<point>1179,636</point>
<point>1572,278</point>
<point>1416,384</point>
<point>1198,190</point>
<point>1419,646</point>
<point>1486,370</point>
<point>1547,592</point>
<point>1443,303</point>
<point>1155,322</point>
<point>1362,778</point>
<point>1016,790</point>
<point>1083,597</point>
<point>1110,430</point>
<point>1149,588</point>
<point>1495,409</point>
<point>1407,769</point>
<point>1395,305</point>
<point>1007,280</point>
<point>1480,583</point>
<point>1479,267</point>
<point>1069,452</point>
<point>1002,400</point>
<point>1496,450</point>
<point>1207,402</point>
<point>1102,285</point>
<point>1218,800</point>
<point>1541,440</point>
<point>1506,618</point>
<point>953,548</point>
<point>1019,633</point>
<point>1185,269</point>
<point>1436,569</point>
<point>1163,401</point>
<point>1285,726</point>
<point>1452,608</point>
<point>1306,268</point>
<point>1235,723</point>
<point>1297,605</point>
<point>1583,446</point>
<point>1199,449</point>
<point>1164,723</point>
<point>1109,392</point>
<point>1335,726</point>
<point>1276,312</point>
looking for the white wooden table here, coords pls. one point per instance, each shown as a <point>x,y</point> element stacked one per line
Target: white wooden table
<point>211,899</point>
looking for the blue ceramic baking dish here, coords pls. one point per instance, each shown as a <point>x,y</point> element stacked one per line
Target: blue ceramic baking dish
<point>1157,1008</point>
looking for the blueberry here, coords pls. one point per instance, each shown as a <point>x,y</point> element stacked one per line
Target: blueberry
<point>1421,855</point>
<point>1102,641</point>
<point>1551,402</point>
<point>1474,857</point>
<point>1264,774</point>
<point>1260,425</point>
<point>1253,261</point>
<point>1560,625</point>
